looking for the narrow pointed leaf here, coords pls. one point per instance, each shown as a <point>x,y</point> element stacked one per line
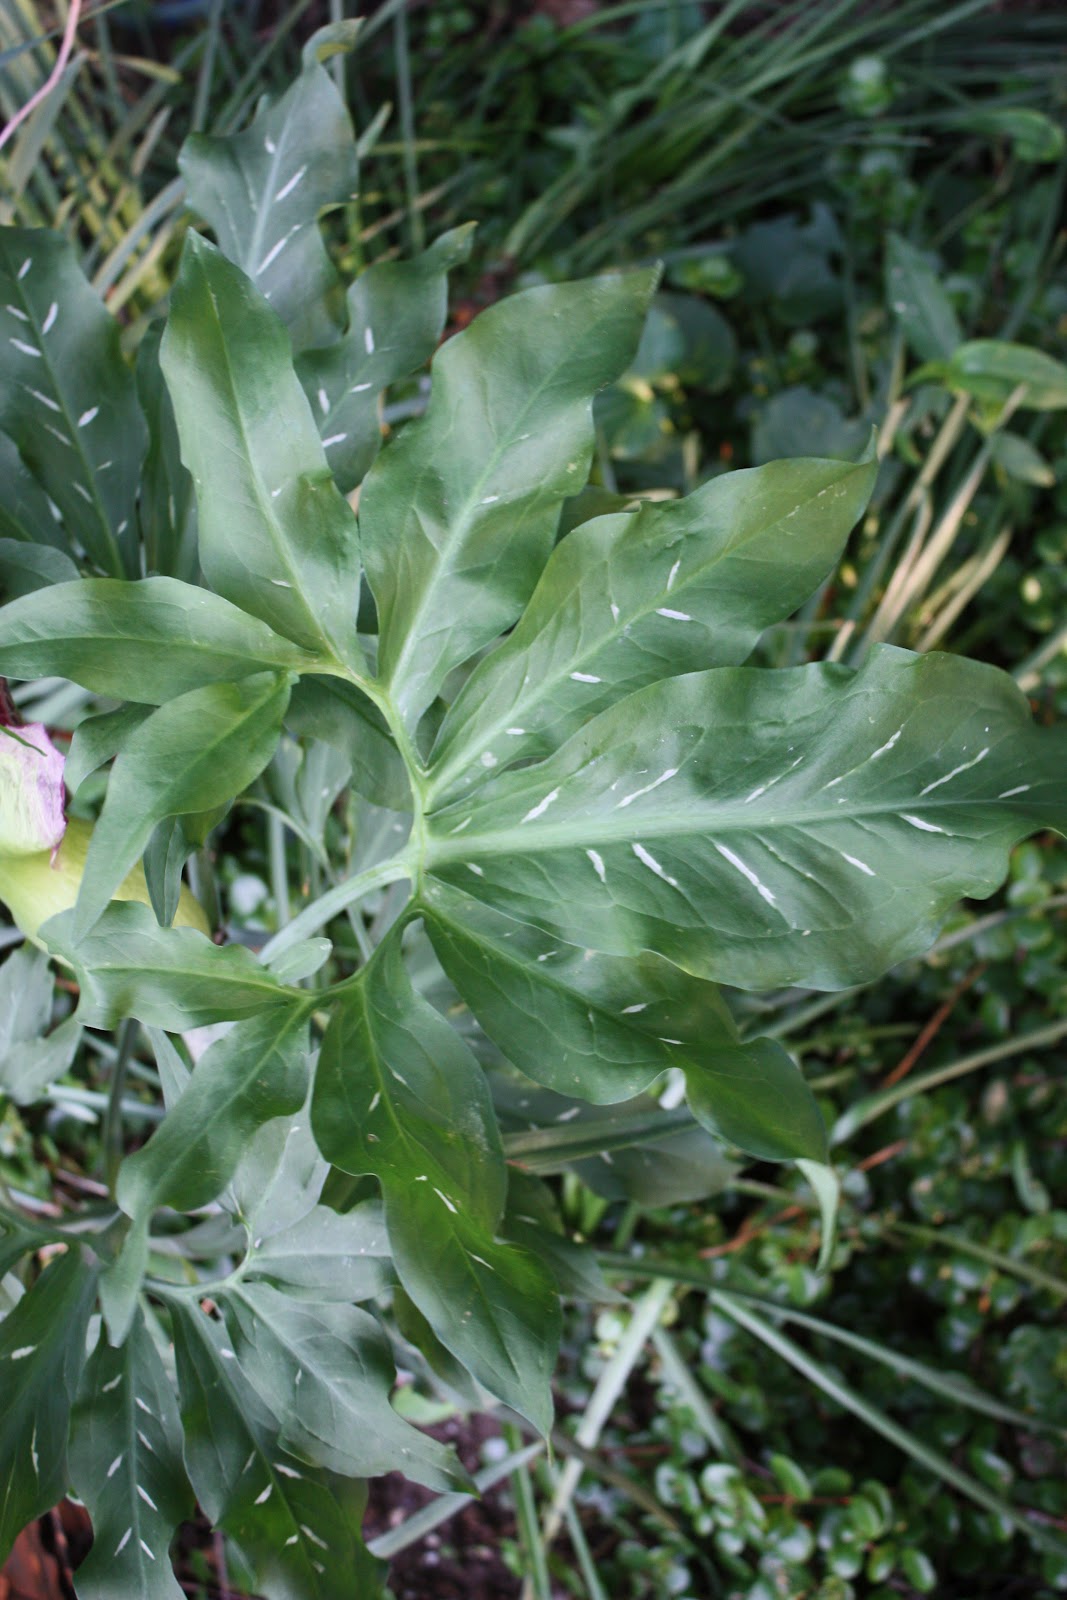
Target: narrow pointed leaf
<point>459,514</point>
<point>172,978</point>
<point>263,190</point>
<point>399,1095</point>
<point>167,502</point>
<point>993,369</point>
<point>276,535</point>
<point>146,641</point>
<point>126,1466</point>
<point>805,826</point>
<point>67,398</point>
<point>916,296</point>
<point>42,1352</point>
<point>25,514</point>
<point>191,755</point>
<point>97,740</point>
<point>600,1028</point>
<point>30,1056</point>
<point>627,600</point>
<point>27,567</point>
<point>325,1373</point>
<point>396,315</point>
<point>279,1510</point>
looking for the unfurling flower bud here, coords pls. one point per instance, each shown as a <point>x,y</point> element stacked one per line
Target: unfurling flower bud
<point>31,791</point>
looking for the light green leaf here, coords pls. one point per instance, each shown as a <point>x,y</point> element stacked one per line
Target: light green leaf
<point>824,1181</point>
<point>325,1373</point>
<point>126,1466</point>
<point>992,370</point>
<point>398,1094</point>
<point>280,1511</point>
<point>263,190</point>
<point>599,1028</point>
<point>67,398</point>
<point>396,315</point>
<point>42,1352</point>
<point>803,826</point>
<point>914,292</point>
<point>276,535</point>
<point>327,1255</point>
<point>628,599</point>
<point>172,978</point>
<point>146,641</point>
<point>191,755</point>
<point>30,1057</point>
<point>1020,460</point>
<point>459,514</point>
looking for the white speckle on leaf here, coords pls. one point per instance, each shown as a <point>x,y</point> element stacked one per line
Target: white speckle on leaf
<point>547,955</point>
<point>261,1499</point>
<point>585,677</point>
<point>887,746</point>
<point>286,1472</point>
<point>56,434</point>
<point>490,500</point>
<point>598,864</point>
<point>27,349</point>
<point>488,759</point>
<point>472,866</point>
<point>672,575</point>
<point>569,1116</point>
<point>146,1497</point>
<point>123,1542</point>
<point>747,872</point>
<point>1010,793</point>
<point>107,1387</point>
<point>25,267</point>
<point>269,145</point>
<point>636,794</point>
<point>614,612</point>
<point>272,254</point>
<point>854,861</point>
<point>281,583</point>
<point>360,388</point>
<point>675,616</point>
<point>324,401</point>
<point>115,1465</point>
<point>375,1102</point>
<point>227,1355</point>
<point>50,320</point>
<point>44,399</point>
<point>22,1352</point>
<point>541,807</point>
<point>446,1201</point>
<point>15,312</point>
<point>917,822</point>
<point>335,438</point>
<point>516,733</point>
<point>147,1550</point>
<point>963,767</point>
<point>648,860</point>
<point>460,826</point>
<point>368,341</point>
<point>631,1011</point>
<point>287,189</point>
<point>294,1538</point>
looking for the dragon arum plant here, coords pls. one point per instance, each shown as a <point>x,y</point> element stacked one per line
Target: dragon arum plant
<point>599,812</point>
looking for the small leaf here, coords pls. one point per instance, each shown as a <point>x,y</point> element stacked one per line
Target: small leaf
<point>30,1058</point>
<point>399,1095</point>
<point>146,641</point>
<point>171,978</point>
<point>97,740</point>
<point>396,314</point>
<point>629,599</point>
<point>459,514</point>
<point>1034,136</point>
<point>1021,461</point>
<point>191,755</point>
<point>276,536</point>
<point>67,398</point>
<point>42,1352</point>
<point>915,294</point>
<point>126,1465</point>
<point>758,828</point>
<point>263,191</point>
<point>992,370</point>
<point>341,716</point>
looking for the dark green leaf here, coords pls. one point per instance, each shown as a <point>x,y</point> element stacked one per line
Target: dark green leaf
<point>459,514</point>
<point>25,514</point>
<point>930,324</point>
<point>97,740</point>
<point>42,1352</point>
<point>263,190</point>
<point>67,398</point>
<point>126,1466</point>
<point>327,1255</point>
<point>992,370</point>
<point>341,715</point>
<point>26,567</point>
<point>147,641</point>
<point>276,535</point>
<point>167,502</point>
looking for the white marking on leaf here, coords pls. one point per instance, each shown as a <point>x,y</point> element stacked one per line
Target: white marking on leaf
<point>294,1538</point>
<point>287,189</point>
<point>672,575</point>
<point>50,320</point>
<point>854,861</point>
<point>261,1499</point>
<point>281,583</point>
<point>446,1201</point>
<point>358,388</point>
<point>79,488</point>
<point>146,1550</point>
<point>56,434</point>
<point>585,677</point>
<point>472,866</point>
<point>269,145</point>
<point>917,822</point>
<point>123,1542</point>
<point>516,733</point>
<point>368,341</point>
<point>1009,793</point>
<point>598,864</point>
<point>747,872</point>
<point>145,1440</point>
<point>963,767</point>
<point>490,500</point>
<point>27,349</point>
<point>488,759</point>
<point>143,1406</point>
<point>286,1472</point>
<point>22,1352</point>
<point>146,1497</point>
<point>227,1355</point>
<point>648,860</point>
<point>115,1465</point>
<point>375,1102</point>
<point>308,1534</point>
<point>541,807</point>
<point>15,312</point>
<point>631,1011</point>
<point>482,1262</point>
<point>107,1387</point>
<point>25,267</point>
<point>460,826</point>
<point>614,612</point>
<point>324,401</point>
<point>675,616</point>
<point>87,416</point>
<point>569,1116</point>
<point>274,252</point>
<point>887,746</point>
<point>335,438</point>
<point>664,777</point>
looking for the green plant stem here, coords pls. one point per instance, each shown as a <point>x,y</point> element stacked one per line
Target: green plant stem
<point>279,868</point>
<point>402,58</point>
<point>113,1134</point>
<point>526,1518</point>
<point>334,901</point>
<point>980,1252</point>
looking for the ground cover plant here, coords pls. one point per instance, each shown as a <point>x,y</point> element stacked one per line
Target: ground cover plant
<point>362,986</point>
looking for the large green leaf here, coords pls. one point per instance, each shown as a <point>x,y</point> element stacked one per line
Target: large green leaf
<point>42,1352</point>
<point>626,600</point>
<point>396,314</point>
<point>262,192</point>
<point>276,535</point>
<point>459,514</point>
<point>327,1255</point>
<point>173,978</point>
<point>25,513</point>
<point>601,1028</point>
<point>67,398</point>
<point>30,1057</point>
<point>147,641</point>
<point>338,713</point>
<point>325,1374</point>
<point>398,1094</point>
<point>191,755</point>
<point>767,827</point>
<point>167,502</point>
<point>280,1511</point>
<point>126,1466</point>
<point>915,294</point>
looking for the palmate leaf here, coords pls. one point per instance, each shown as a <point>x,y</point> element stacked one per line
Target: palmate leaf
<point>759,828</point>
<point>263,190</point>
<point>42,1352</point>
<point>458,516</point>
<point>399,1095</point>
<point>276,536</point>
<point>126,1465</point>
<point>396,315</point>
<point>67,398</point>
<point>300,1541</point>
<point>626,600</point>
